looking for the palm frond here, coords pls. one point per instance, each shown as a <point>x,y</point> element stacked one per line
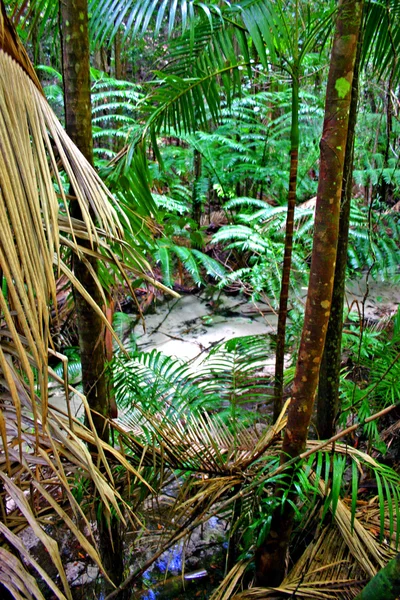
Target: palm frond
<point>40,451</point>
<point>135,16</point>
<point>382,38</point>
<point>31,137</point>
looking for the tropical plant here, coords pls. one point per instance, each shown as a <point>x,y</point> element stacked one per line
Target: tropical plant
<point>186,421</point>
<point>42,449</point>
<point>385,583</point>
<point>371,381</point>
<point>326,227</point>
<point>258,234</point>
<point>209,434</point>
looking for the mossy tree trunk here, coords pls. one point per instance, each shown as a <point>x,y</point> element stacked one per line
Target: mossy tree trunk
<point>329,377</point>
<point>271,556</point>
<point>78,123</point>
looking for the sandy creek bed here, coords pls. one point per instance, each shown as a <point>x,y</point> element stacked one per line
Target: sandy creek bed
<point>191,325</point>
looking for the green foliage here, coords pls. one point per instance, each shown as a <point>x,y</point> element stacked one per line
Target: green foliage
<point>74,367</point>
<point>53,88</point>
<point>137,15</point>
<point>115,107</point>
<point>381,37</point>
<point>258,234</point>
<point>191,259</point>
<point>373,239</point>
<point>209,408</point>
<point>374,381</point>
<point>228,380</point>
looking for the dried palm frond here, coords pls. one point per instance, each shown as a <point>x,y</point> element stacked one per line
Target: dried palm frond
<point>42,453</point>
<point>229,585</point>
<point>336,564</point>
<point>222,466</point>
<point>29,213</point>
<point>326,570</point>
<point>39,471</point>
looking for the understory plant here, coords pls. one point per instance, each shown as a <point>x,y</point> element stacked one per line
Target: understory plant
<point>371,375</point>
<point>258,234</point>
<point>198,424</point>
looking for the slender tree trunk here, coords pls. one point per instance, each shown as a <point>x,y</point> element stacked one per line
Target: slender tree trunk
<point>78,119</point>
<point>78,123</point>
<point>385,188</point>
<point>271,556</point>
<point>117,55</point>
<point>196,200</point>
<point>287,259</point>
<point>329,377</point>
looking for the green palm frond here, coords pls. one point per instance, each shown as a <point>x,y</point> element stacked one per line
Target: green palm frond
<point>148,384</point>
<point>234,371</point>
<point>177,202</point>
<point>176,418</point>
<point>135,16</point>
<point>39,15</point>
<point>185,105</point>
<point>243,465</point>
<point>166,253</point>
<point>157,382</point>
<point>259,227</point>
<point>382,37</point>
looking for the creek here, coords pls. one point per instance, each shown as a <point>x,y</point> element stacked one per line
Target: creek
<point>188,327</point>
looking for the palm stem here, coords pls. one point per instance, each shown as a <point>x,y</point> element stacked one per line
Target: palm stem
<point>287,260</point>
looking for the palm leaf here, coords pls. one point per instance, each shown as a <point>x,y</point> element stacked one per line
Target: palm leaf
<point>382,38</point>
<point>37,445</point>
<point>136,16</point>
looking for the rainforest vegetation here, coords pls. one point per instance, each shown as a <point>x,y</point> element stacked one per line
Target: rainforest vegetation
<point>151,149</point>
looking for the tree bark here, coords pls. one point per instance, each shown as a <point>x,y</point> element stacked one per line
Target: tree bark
<point>78,123</point>
<point>196,200</point>
<point>385,189</point>
<point>117,55</point>
<point>287,258</point>
<point>329,376</point>
<point>271,556</point>
<point>78,119</point>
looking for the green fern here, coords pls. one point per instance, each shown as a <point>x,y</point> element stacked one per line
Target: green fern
<point>192,260</point>
<point>74,367</point>
<point>374,353</point>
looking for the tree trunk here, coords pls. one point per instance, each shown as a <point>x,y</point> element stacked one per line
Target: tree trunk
<point>329,377</point>
<point>196,200</point>
<point>78,119</point>
<point>385,188</point>
<point>117,55</point>
<point>287,259</point>
<point>78,123</point>
<point>271,556</point>
<point>385,584</point>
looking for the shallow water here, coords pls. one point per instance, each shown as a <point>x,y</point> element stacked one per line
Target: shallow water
<point>190,326</point>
